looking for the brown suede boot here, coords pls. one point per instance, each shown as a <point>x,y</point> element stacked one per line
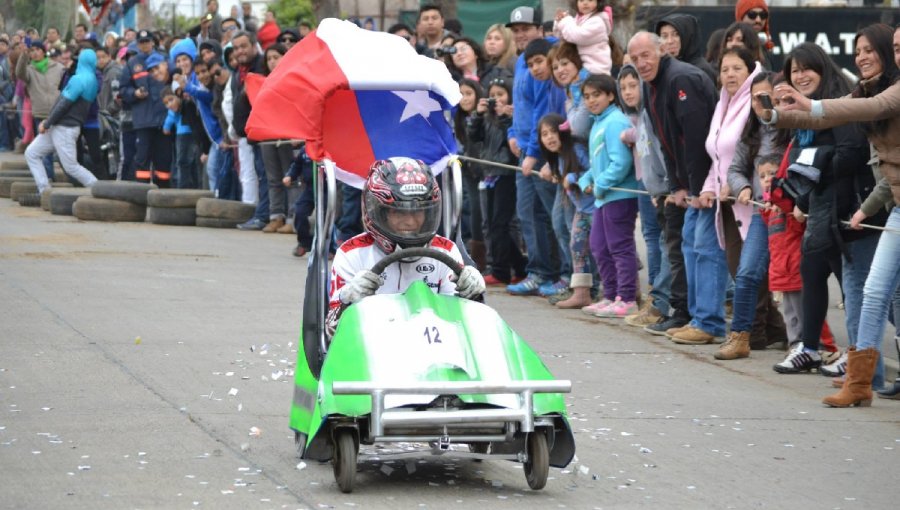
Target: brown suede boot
<point>581,291</point>
<point>857,389</point>
<point>737,346</point>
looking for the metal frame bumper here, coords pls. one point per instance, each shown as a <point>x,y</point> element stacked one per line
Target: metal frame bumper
<point>384,419</point>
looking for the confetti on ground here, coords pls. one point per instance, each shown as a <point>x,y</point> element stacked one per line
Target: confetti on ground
<point>301,466</point>
<point>137,340</point>
<point>255,432</point>
<point>232,392</point>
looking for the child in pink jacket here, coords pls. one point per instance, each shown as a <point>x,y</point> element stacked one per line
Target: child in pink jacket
<point>590,31</point>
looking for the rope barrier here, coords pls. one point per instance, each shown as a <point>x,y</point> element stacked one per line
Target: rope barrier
<point>643,192</point>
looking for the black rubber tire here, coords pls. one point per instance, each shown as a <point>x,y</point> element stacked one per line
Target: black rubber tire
<point>344,461</point>
<point>127,191</point>
<point>14,165</point>
<point>538,465</point>
<point>176,197</point>
<point>203,221</point>
<point>225,209</point>
<point>184,216</point>
<point>61,200</point>
<point>29,199</point>
<point>20,188</point>
<point>103,209</point>
<point>45,199</point>
<point>15,173</point>
<point>7,182</point>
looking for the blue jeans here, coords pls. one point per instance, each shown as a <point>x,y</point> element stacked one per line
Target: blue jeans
<point>212,165</point>
<point>651,231</point>
<point>706,270</point>
<point>753,267</point>
<point>563,216</point>
<point>884,276</point>
<point>349,223</point>
<point>855,271</point>
<point>534,203</point>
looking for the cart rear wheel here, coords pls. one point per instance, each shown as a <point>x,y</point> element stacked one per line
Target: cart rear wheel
<point>345,460</point>
<point>538,465</point>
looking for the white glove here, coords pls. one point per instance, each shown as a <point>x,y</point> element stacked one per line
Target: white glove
<point>364,283</point>
<point>470,283</point>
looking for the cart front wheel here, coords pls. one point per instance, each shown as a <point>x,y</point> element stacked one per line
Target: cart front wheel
<point>537,467</point>
<point>345,460</point>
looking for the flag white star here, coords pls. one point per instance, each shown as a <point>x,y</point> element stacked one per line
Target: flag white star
<point>418,102</point>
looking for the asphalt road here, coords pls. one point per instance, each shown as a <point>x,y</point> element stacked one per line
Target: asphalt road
<point>144,366</point>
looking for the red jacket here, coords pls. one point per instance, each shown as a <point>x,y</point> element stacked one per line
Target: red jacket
<point>785,237</point>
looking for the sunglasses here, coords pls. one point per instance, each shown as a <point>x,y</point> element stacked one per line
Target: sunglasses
<point>763,15</point>
<point>287,40</point>
<point>497,81</point>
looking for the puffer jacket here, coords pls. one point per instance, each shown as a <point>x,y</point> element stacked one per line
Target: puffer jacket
<point>885,105</point>
<point>590,33</point>
<point>785,237</point>
<point>842,188</point>
<point>612,165</point>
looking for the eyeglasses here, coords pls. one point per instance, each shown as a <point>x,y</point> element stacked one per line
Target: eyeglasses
<point>762,15</point>
<point>231,28</point>
<point>287,40</point>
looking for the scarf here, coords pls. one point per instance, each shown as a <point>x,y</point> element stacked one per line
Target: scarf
<point>41,65</point>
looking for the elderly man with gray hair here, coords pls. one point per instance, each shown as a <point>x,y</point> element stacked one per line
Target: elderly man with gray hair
<point>682,99</point>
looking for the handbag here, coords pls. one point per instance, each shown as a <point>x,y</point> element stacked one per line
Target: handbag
<point>804,169</point>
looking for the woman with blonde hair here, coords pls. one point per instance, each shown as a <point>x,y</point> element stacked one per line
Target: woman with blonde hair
<point>499,47</point>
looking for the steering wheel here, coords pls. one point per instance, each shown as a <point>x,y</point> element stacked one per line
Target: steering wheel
<point>408,253</point>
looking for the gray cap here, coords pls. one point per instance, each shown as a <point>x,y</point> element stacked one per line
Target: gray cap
<point>523,16</point>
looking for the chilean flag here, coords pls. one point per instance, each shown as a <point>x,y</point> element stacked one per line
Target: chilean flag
<point>357,96</point>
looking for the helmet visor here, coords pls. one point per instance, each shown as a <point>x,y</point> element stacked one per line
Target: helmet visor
<point>408,222</point>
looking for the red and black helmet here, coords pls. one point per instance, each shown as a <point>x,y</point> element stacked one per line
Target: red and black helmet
<point>401,203</point>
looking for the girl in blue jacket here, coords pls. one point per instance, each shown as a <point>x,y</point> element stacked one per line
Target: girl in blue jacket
<point>612,231</point>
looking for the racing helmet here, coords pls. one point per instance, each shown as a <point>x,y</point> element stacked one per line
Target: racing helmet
<point>401,203</point>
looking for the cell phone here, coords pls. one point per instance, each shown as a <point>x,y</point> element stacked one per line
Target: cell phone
<point>766,101</point>
<point>492,103</point>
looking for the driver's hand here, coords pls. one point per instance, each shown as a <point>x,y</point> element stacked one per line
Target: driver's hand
<point>470,283</point>
<point>364,284</point>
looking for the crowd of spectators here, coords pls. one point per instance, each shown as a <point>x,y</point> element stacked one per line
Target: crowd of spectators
<point>736,198</point>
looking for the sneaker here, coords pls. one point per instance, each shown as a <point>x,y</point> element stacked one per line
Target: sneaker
<point>693,336</point>
<point>608,311</point>
<point>892,392</point>
<point>299,251</point>
<point>598,307</point>
<point>829,357</point>
<point>650,316</point>
<point>834,366</point>
<point>527,287</point>
<point>798,360</point>
<point>253,224</point>
<point>492,281</point>
<point>622,309</point>
<point>660,328</point>
<point>549,288</point>
<point>674,331</point>
<point>287,228</point>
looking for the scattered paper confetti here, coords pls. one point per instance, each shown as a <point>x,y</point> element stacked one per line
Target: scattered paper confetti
<point>255,432</point>
<point>232,392</point>
<point>137,340</point>
<point>301,466</point>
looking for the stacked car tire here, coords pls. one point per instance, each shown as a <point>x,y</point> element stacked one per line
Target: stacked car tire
<point>218,213</point>
<point>113,201</point>
<point>174,206</point>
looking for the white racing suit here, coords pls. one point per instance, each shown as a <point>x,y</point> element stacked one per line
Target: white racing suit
<point>361,253</point>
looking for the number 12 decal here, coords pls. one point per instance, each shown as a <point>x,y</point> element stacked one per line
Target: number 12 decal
<point>432,335</point>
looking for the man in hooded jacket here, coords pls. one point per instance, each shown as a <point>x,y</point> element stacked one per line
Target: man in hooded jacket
<point>60,130</point>
<point>686,45</point>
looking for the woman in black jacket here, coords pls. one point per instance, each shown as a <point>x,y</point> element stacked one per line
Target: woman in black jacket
<point>841,154</point>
